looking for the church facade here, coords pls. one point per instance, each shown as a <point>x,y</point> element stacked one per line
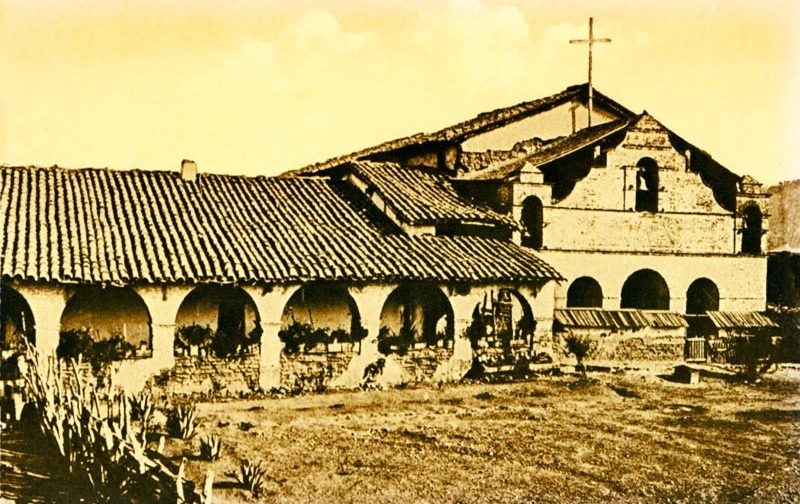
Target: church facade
<point>487,242</point>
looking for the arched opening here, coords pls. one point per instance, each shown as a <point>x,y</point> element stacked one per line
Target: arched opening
<point>218,318</point>
<point>645,290</point>
<point>117,315</point>
<point>701,297</point>
<point>751,230</point>
<point>507,317</point>
<point>320,313</point>
<point>16,327</point>
<point>585,292</point>
<point>16,321</point>
<point>415,314</point>
<point>532,222</point>
<point>647,185</point>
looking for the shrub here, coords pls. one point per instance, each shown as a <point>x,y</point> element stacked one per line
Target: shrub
<point>754,354</point>
<point>294,335</point>
<point>252,476</point>
<point>195,335</point>
<point>182,422</point>
<point>210,447</point>
<point>73,343</point>
<point>580,346</point>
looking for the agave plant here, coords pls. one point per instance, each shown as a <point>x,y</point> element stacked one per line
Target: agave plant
<point>210,447</point>
<point>252,476</point>
<point>182,422</point>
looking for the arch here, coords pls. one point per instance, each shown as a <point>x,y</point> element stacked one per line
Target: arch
<point>322,305</point>
<point>702,296</point>
<point>532,222</point>
<point>16,320</point>
<point>221,316</point>
<point>513,316</point>
<point>647,185</point>
<point>752,223</point>
<point>646,290</point>
<point>585,292</point>
<point>107,312</point>
<point>418,312</point>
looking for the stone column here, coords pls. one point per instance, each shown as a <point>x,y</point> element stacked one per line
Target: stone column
<point>463,304</point>
<point>163,303</point>
<point>370,300</point>
<point>270,303</point>
<point>542,301</point>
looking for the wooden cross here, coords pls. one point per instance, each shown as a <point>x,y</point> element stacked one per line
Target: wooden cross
<point>590,41</point>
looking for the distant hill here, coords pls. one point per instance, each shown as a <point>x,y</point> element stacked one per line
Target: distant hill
<point>784,218</point>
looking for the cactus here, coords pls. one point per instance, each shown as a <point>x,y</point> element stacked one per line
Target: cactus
<point>210,447</point>
<point>182,422</point>
<point>252,476</point>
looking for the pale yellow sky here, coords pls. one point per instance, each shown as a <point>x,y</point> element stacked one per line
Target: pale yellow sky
<point>260,87</point>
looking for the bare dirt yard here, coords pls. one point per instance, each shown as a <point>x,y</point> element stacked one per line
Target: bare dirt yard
<point>609,438</point>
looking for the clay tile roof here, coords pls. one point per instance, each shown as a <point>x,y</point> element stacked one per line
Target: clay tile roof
<point>550,152</point>
<point>420,196</point>
<point>482,123</point>
<point>119,227</point>
<point>619,319</point>
<point>740,319</point>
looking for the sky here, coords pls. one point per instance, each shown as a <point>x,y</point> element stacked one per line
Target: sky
<point>261,87</point>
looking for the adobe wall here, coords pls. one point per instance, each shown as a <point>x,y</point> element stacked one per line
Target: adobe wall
<point>741,280</point>
<point>311,372</point>
<point>628,346</point>
<point>599,213</point>
<point>209,375</point>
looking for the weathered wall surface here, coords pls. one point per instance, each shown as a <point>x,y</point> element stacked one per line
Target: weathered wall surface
<point>311,372</point>
<point>209,375</point>
<point>599,213</point>
<point>626,346</point>
<point>741,280</point>
<point>784,219</point>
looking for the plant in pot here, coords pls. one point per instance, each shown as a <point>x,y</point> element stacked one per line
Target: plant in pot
<point>191,338</point>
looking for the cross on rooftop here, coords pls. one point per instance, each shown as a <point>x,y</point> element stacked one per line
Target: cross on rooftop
<point>590,42</point>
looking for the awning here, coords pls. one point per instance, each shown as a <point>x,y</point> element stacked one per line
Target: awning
<point>740,319</point>
<point>619,319</point>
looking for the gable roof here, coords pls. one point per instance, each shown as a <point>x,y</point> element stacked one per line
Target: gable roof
<point>553,150</point>
<point>420,196</point>
<point>482,123</point>
<point>120,227</point>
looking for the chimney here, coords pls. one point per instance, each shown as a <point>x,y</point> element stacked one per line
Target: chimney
<point>188,170</point>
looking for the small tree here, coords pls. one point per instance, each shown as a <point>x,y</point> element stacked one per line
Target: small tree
<point>580,346</point>
<point>754,354</point>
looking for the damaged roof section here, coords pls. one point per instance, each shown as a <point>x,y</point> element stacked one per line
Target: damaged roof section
<point>420,196</point>
<point>551,151</point>
<point>486,121</point>
<point>120,227</point>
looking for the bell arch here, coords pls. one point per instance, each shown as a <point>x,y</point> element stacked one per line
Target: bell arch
<point>532,222</point>
<point>647,185</point>
<point>752,226</point>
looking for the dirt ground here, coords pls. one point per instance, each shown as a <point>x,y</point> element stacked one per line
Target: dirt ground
<point>611,438</point>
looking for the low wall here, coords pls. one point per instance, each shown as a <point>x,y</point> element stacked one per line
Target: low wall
<point>209,375</point>
<point>313,371</point>
<point>420,364</point>
<point>629,346</point>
